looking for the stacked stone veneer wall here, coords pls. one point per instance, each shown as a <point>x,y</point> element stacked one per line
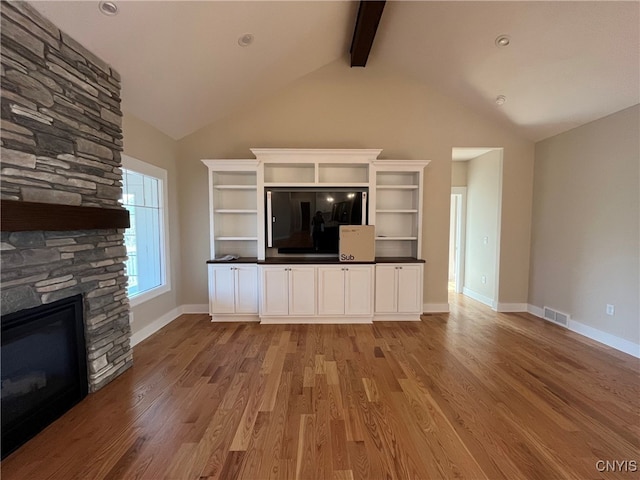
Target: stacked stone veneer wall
<point>61,140</point>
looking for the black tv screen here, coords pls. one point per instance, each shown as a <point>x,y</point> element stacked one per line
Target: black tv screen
<point>307,220</point>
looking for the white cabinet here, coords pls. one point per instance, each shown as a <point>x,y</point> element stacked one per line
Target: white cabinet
<point>398,291</point>
<point>233,291</point>
<point>331,293</point>
<point>345,290</point>
<point>302,290</point>
<point>288,291</point>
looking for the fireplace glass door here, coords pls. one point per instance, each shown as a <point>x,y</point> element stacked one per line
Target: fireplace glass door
<point>44,368</point>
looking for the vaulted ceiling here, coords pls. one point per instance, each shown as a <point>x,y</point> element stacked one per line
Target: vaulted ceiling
<point>182,68</point>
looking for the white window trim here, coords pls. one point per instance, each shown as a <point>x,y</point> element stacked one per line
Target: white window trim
<point>130,163</point>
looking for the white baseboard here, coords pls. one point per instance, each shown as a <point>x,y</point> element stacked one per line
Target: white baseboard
<point>397,317</point>
<point>594,334</point>
<point>234,318</point>
<point>165,320</point>
<point>195,308</point>
<point>435,308</point>
<point>154,326</point>
<point>314,320</point>
<point>512,307</point>
<point>480,298</point>
<point>537,311</point>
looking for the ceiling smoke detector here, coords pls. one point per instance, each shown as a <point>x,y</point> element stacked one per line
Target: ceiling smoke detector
<point>503,41</point>
<point>500,99</point>
<point>245,40</point>
<point>108,8</point>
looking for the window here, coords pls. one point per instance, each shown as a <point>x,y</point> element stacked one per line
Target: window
<point>144,196</point>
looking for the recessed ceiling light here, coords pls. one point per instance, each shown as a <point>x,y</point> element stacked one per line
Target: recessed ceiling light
<point>108,8</point>
<point>503,41</point>
<point>245,40</point>
<point>500,99</point>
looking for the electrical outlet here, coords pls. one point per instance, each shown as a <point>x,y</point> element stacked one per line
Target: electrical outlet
<point>484,279</point>
<point>485,240</point>
<point>611,309</point>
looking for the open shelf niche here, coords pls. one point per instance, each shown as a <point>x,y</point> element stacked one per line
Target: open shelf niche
<point>233,187</point>
<point>398,216</point>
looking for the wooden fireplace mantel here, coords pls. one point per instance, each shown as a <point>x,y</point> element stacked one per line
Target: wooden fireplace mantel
<point>17,216</point>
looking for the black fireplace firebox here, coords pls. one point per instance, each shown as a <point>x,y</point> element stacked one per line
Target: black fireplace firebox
<point>44,368</point>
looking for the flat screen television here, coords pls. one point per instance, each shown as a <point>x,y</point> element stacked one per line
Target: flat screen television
<point>307,220</point>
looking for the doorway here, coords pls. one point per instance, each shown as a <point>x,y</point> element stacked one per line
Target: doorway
<point>457,238</point>
<point>475,226</point>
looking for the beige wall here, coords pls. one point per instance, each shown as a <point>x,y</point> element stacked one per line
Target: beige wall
<point>585,227</point>
<point>342,107</point>
<point>459,174</point>
<point>143,142</point>
<point>483,222</point>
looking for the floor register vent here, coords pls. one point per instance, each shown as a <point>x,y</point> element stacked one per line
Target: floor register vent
<point>556,317</point>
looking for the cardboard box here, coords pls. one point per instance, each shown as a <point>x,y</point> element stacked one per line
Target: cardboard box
<point>357,243</point>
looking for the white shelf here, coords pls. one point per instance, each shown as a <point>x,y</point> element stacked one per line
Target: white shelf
<point>397,187</point>
<point>397,211</point>
<point>384,239</point>
<point>317,184</point>
<point>225,239</point>
<point>345,185</point>
<point>235,210</point>
<point>289,184</point>
<point>234,187</point>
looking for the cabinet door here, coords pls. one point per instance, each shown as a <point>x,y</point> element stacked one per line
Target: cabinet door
<point>246,286</point>
<point>275,291</point>
<point>410,289</point>
<point>386,289</point>
<point>221,289</point>
<point>358,290</point>
<point>331,290</point>
<point>302,291</point>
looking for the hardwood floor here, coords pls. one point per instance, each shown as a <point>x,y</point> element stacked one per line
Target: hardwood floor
<point>472,394</point>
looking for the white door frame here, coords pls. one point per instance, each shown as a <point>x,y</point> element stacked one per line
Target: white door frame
<point>461,224</point>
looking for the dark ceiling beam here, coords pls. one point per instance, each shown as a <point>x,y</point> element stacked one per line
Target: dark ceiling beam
<point>369,14</point>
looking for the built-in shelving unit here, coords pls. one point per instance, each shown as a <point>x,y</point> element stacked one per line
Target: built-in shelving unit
<point>234,206</point>
<point>315,293</point>
<point>315,174</point>
<point>397,216</point>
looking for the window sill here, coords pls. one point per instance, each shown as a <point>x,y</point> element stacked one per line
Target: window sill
<point>148,295</point>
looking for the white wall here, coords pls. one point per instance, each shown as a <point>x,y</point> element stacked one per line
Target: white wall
<point>342,107</point>
<point>585,227</point>
<point>144,142</point>
<point>484,178</point>
<point>459,174</point>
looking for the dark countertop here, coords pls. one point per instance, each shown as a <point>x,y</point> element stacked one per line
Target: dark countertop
<point>306,260</point>
<point>399,260</point>
<point>316,261</point>
<point>239,260</point>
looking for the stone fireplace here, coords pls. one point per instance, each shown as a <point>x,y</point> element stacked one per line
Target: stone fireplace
<point>61,142</point>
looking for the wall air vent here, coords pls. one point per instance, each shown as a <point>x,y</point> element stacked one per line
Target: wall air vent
<point>549,314</point>
<point>556,317</point>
